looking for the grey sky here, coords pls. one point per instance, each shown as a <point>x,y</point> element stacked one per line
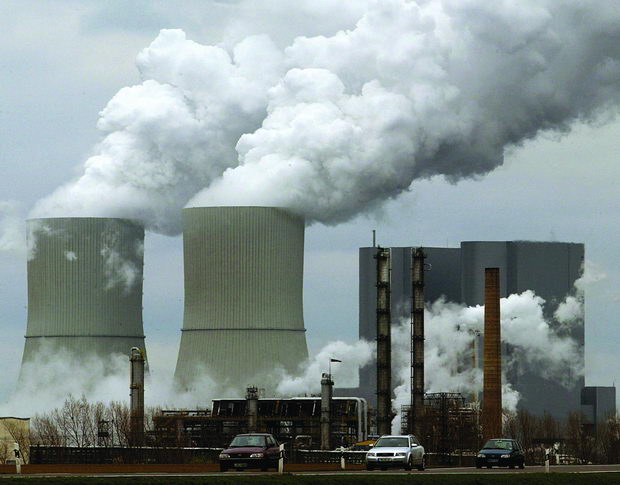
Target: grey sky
<point>61,62</point>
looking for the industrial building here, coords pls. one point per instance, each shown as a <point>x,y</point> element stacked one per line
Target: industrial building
<point>243,315</point>
<point>296,420</point>
<point>550,269</point>
<point>598,403</point>
<point>84,288</point>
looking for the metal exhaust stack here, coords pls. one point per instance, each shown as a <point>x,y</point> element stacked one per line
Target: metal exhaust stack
<point>417,341</point>
<point>327,389</point>
<point>492,388</point>
<point>251,397</point>
<point>136,403</point>
<point>384,343</point>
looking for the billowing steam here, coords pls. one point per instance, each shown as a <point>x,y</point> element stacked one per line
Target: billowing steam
<point>333,126</point>
<point>450,330</point>
<point>54,374</point>
<point>345,373</point>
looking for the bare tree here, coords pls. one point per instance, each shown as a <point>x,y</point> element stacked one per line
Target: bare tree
<point>580,441</point>
<point>608,438</point>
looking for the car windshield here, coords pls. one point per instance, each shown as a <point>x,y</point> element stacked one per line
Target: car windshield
<point>499,445</point>
<point>241,441</point>
<point>392,442</point>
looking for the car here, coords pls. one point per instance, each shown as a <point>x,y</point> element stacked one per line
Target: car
<point>396,451</point>
<point>501,452</point>
<point>251,450</point>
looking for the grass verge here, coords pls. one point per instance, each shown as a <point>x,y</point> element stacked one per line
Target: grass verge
<point>422,479</point>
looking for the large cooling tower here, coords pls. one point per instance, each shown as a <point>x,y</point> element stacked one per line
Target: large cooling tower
<point>84,287</point>
<point>243,295</point>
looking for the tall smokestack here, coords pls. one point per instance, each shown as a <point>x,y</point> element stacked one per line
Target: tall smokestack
<point>251,399</point>
<point>136,397</point>
<point>492,388</point>
<point>243,295</point>
<point>417,341</point>
<point>327,389</point>
<point>84,288</point>
<point>384,343</point>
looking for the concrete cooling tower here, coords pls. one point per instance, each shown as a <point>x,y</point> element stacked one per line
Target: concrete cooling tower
<point>243,295</point>
<point>84,287</point>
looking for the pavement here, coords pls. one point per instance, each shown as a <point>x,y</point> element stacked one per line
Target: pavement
<point>428,471</point>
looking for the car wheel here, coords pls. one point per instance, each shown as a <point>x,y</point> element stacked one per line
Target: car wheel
<point>409,465</point>
<point>522,465</point>
<point>422,465</point>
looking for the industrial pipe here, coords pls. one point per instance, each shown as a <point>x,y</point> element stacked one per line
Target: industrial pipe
<point>384,343</point>
<point>327,389</point>
<point>417,341</point>
<point>136,403</point>
<point>492,384</point>
<point>251,397</point>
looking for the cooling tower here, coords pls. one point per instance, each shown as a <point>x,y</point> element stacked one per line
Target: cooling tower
<point>243,314</point>
<point>84,287</point>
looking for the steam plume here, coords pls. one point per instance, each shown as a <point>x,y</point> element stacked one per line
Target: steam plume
<point>332,126</point>
<point>450,330</point>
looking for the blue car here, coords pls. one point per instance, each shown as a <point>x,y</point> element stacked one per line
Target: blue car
<point>503,452</point>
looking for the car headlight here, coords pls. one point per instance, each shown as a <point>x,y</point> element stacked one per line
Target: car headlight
<point>257,455</point>
<point>400,454</point>
<point>372,455</point>
<point>224,455</point>
<point>480,455</point>
<point>505,456</point>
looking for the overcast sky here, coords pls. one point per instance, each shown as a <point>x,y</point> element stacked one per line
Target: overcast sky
<point>61,61</point>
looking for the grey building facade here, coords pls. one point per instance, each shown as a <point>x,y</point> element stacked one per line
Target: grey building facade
<point>549,269</point>
<point>597,404</point>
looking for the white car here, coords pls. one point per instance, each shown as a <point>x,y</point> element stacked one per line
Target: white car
<point>396,451</point>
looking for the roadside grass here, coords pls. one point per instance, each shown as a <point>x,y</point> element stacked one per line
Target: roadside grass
<point>422,479</point>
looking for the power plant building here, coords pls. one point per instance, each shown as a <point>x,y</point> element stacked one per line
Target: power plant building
<point>550,269</point>
<point>84,287</point>
<point>243,315</point>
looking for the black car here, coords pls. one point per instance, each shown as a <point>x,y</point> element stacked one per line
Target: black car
<point>253,450</point>
<point>501,452</point>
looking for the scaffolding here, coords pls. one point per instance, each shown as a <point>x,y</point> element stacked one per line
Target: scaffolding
<point>448,425</point>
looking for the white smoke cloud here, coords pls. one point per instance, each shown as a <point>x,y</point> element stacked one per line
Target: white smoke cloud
<point>55,374</point>
<point>169,137</point>
<point>70,255</point>
<point>332,126</point>
<point>450,330</point>
<point>344,374</point>
<point>591,273</point>
<point>120,271</point>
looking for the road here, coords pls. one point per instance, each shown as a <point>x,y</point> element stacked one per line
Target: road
<point>431,471</point>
